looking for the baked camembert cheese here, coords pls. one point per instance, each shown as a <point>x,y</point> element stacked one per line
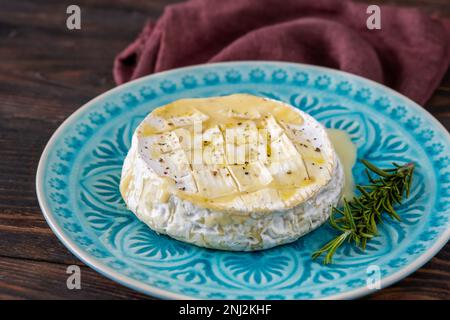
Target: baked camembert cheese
<point>237,172</point>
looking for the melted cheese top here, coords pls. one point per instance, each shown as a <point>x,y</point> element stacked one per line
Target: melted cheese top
<point>238,153</point>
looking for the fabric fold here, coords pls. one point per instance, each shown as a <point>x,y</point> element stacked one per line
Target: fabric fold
<point>410,53</point>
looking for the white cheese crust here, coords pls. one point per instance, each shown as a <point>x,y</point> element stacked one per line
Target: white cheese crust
<point>235,227</point>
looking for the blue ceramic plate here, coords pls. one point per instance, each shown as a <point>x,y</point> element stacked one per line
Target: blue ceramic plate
<point>79,172</point>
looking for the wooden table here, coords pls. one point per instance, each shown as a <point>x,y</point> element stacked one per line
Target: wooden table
<point>46,73</point>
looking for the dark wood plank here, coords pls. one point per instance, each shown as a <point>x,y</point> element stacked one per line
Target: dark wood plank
<point>432,281</point>
<point>27,279</point>
<point>46,73</point>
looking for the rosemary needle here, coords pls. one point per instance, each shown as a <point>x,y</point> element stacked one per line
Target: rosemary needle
<point>357,220</point>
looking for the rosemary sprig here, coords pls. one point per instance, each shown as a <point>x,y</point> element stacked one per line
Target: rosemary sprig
<point>357,220</point>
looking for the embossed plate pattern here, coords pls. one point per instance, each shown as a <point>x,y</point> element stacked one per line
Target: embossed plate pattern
<point>79,173</point>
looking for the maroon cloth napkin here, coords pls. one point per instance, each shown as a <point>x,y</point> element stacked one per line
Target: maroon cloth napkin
<point>410,53</point>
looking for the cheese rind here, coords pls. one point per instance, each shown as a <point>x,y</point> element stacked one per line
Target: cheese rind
<point>266,194</point>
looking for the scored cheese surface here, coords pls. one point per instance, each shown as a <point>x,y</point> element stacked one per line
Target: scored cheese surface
<point>236,153</point>
<point>236,172</point>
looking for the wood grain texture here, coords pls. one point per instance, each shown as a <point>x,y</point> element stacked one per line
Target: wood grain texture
<point>46,73</point>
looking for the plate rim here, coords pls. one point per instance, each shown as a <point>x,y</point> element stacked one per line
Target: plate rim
<point>148,289</point>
